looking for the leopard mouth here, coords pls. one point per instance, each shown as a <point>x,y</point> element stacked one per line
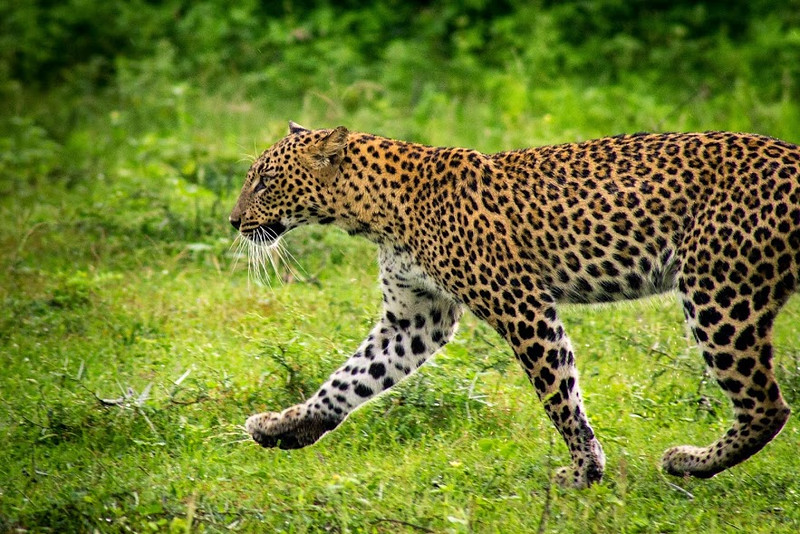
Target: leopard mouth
<point>266,234</point>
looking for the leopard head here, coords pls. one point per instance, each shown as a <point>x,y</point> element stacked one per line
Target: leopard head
<point>285,186</point>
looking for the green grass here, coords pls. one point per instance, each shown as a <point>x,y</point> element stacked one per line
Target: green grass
<point>134,346</point>
<point>461,447</point>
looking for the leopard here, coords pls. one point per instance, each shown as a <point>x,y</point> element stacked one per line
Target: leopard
<point>514,236</point>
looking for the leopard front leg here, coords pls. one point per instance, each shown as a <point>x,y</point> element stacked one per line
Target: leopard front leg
<point>546,355</point>
<point>417,320</point>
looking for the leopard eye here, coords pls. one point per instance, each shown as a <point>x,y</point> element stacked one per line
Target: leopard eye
<point>261,184</point>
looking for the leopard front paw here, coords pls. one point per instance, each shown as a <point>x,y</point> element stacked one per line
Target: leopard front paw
<point>576,477</point>
<point>293,428</point>
<point>585,470</point>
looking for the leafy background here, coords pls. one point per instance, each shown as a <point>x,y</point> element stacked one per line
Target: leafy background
<point>134,343</point>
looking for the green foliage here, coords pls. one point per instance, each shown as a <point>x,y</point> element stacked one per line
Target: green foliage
<point>285,45</point>
<point>135,344</point>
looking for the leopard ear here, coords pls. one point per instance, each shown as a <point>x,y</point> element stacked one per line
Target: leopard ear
<point>327,154</point>
<point>296,128</point>
<point>334,142</point>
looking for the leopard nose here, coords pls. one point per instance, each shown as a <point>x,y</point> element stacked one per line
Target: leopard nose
<point>236,223</point>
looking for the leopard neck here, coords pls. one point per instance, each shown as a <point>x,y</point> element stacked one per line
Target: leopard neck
<point>389,191</point>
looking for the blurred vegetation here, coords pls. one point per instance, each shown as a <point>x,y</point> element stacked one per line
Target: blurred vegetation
<point>84,81</point>
<point>285,45</point>
<point>134,344</point>
<point>144,68</point>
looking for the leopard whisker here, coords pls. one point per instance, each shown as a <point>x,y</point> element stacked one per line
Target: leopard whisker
<point>254,261</point>
<point>289,260</point>
<point>273,252</point>
<point>261,256</point>
<point>237,246</point>
<point>275,264</point>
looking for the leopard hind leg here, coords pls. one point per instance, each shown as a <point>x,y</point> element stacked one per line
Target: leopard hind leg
<point>734,333</point>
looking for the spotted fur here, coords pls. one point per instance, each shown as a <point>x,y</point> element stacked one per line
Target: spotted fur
<point>511,236</point>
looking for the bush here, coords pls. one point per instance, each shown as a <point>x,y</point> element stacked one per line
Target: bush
<point>301,44</point>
